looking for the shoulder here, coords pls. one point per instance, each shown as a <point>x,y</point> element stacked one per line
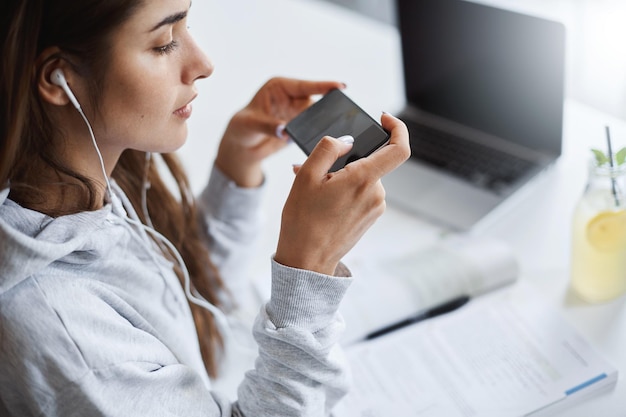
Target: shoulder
<point>71,347</point>
<point>77,323</point>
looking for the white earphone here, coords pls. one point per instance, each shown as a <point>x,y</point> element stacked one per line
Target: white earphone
<point>57,77</point>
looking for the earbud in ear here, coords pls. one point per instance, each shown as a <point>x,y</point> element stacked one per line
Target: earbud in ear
<point>58,78</point>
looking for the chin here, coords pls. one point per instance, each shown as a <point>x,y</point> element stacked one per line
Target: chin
<point>173,142</point>
<point>180,141</point>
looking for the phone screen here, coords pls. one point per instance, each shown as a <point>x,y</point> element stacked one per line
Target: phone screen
<point>336,115</point>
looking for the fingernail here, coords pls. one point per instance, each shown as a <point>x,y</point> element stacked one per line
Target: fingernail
<point>344,85</point>
<point>280,131</point>
<point>347,139</point>
<point>387,113</point>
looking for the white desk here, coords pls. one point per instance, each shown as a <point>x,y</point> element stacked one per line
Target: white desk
<point>251,41</point>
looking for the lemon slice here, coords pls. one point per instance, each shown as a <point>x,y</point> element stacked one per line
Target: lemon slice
<point>607,230</point>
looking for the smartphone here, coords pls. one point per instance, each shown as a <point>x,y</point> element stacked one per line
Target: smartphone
<point>336,115</point>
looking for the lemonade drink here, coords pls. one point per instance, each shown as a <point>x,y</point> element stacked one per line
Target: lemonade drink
<point>598,268</point>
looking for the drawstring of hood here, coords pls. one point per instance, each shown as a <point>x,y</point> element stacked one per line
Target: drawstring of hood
<point>123,208</point>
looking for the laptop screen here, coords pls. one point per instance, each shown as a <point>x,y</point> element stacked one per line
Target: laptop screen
<point>494,70</point>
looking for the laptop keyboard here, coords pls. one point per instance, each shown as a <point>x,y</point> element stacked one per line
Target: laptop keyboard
<point>483,166</point>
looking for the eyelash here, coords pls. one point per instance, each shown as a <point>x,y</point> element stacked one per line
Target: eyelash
<point>166,49</point>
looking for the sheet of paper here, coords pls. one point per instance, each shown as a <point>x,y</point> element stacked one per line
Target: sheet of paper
<point>505,354</point>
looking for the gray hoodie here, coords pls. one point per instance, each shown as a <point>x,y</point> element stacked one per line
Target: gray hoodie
<point>93,321</point>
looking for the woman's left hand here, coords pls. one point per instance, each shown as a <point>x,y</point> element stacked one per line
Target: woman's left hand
<point>256,131</point>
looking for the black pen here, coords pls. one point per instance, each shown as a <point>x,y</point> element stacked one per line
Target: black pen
<point>439,310</point>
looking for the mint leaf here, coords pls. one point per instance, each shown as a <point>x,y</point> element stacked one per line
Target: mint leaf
<point>620,156</point>
<point>601,158</point>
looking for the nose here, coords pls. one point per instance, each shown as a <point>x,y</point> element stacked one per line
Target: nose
<point>198,65</point>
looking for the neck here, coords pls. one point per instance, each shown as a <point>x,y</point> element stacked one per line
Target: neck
<point>72,181</point>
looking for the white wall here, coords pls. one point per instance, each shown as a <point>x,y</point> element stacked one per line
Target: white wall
<point>596,55</point>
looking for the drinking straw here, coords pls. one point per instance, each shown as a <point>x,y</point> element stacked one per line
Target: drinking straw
<point>613,185</point>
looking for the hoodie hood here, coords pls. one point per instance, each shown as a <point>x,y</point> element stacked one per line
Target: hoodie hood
<point>30,241</point>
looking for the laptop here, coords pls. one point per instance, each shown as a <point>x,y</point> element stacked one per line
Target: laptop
<point>484,90</point>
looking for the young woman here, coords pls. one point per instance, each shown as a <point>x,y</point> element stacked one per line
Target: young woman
<point>110,285</point>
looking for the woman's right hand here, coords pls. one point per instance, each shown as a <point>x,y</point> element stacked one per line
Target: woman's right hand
<point>327,213</point>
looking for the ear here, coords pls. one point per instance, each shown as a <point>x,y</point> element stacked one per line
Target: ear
<point>48,61</point>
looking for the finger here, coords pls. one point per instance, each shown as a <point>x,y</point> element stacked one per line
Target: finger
<point>324,155</point>
<point>304,88</point>
<point>280,132</point>
<point>392,155</point>
<point>266,124</point>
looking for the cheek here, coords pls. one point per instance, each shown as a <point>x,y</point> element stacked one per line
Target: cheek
<point>139,102</point>
<point>136,107</point>
<point>142,100</point>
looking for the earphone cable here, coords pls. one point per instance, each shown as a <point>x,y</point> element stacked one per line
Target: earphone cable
<point>93,139</point>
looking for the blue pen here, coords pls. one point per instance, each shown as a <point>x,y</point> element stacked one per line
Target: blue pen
<point>439,310</point>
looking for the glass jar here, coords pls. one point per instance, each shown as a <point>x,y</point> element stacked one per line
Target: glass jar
<point>598,266</point>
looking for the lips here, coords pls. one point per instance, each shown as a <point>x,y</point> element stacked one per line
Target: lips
<point>185,111</point>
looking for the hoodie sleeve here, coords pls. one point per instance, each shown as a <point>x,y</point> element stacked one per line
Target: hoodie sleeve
<point>301,370</point>
<point>233,218</point>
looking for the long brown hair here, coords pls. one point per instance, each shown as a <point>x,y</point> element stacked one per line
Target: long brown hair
<point>81,29</point>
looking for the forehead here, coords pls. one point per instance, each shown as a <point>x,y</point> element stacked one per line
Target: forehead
<point>154,14</point>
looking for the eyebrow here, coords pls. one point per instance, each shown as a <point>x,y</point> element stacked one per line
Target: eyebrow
<point>170,20</point>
